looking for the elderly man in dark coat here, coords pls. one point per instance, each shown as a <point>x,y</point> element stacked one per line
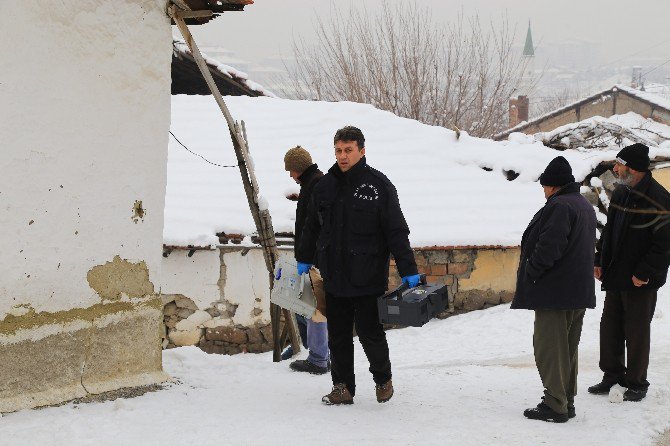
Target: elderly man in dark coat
<point>632,263</point>
<point>555,279</point>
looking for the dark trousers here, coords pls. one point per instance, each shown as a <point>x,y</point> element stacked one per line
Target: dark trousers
<point>555,343</point>
<point>343,314</point>
<point>626,324</point>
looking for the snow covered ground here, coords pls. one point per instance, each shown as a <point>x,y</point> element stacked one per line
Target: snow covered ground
<point>464,380</point>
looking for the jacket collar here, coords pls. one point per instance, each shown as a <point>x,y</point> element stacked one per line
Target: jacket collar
<point>352,174</point>
<point>641,188</point>
<point>308,174</point>
<point>569,188</point>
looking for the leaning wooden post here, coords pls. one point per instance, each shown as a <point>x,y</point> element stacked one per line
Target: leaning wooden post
<point>262,218</point>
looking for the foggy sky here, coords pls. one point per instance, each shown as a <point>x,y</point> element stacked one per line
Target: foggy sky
<point>266,28</point>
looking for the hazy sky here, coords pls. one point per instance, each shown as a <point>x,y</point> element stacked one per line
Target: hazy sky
<point>621,27</point>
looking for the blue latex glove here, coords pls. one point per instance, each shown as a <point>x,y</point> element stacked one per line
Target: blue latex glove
<point>303,268</point>
<point>412,281</point>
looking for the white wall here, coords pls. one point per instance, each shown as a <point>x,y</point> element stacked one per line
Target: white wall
<point>84,88</point>
<point>196,277</point>
<point>247,285</point>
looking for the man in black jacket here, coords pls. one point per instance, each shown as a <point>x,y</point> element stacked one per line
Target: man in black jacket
<point>555,280</point>
<point>313,331</point>
<point>353,224</point>
<point>632,263</point>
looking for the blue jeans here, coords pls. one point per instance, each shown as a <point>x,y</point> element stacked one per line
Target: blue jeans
<point>314,337</point>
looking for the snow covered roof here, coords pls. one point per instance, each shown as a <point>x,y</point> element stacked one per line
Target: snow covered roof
<point>187,79</point>
<point>649,97</point>
<point>454,192</point>
<point>607,133</point>
<point>654,100</point>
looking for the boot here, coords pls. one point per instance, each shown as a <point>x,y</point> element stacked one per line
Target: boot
<point>384,391</point>
<point>339,395</point>
<point>302,365</point>
<point>601,388</point>
<point>545,413</point>
<point>634,395</point>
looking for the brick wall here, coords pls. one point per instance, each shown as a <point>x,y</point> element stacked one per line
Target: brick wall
<point>479,277</point>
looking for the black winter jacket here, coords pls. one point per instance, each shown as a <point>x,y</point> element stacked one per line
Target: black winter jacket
<point>557,251</point>
<point>308,180</point>
<point>354,222</point>
<point>635,244</point>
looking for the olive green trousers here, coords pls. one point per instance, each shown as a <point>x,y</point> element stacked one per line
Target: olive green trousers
<point>555,343</point>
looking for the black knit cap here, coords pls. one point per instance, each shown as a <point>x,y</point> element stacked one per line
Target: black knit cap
<point>557,173</point>
<point>635,156</point>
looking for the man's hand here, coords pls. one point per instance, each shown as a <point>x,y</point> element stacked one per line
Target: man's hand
<point>303,268</point>
<point>597,272</point>
<point>638,283</point>
<point>412,281</point>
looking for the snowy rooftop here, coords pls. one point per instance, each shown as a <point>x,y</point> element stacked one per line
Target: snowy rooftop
<point>656,96</point>
<point>241,78</point>
<point>448,197</point>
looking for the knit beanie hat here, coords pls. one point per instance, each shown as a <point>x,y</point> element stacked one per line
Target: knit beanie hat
<point>297,159</point>
<point>635,156</point>
<point>557,173</point>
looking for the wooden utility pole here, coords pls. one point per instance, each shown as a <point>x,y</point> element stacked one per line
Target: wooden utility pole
<point>262,218</point>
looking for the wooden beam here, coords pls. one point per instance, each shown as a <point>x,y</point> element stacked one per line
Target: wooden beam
<point>262,218</point>
<point>193,14</point>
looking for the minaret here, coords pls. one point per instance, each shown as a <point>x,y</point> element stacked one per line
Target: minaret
<point>519,105</point>
<point>528,61</point>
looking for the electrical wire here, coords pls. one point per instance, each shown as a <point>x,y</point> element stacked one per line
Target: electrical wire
<point>197,154</point>
<point>635,54</point>
<point>655,68</point>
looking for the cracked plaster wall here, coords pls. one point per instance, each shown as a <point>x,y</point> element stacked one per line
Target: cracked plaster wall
<point>231,279</point>
<point>85,94</point>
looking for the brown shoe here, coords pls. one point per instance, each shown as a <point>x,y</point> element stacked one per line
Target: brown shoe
<point>339,395</point>
<point>384,391</point>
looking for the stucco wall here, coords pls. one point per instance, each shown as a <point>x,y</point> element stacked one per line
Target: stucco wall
<point>479,277</point>
<point>662,176</point>
<point>218,300</point>
<point>239,320</point>
<point>85,94</point>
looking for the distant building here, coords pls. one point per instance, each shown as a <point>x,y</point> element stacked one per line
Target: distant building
<point>617,100</point>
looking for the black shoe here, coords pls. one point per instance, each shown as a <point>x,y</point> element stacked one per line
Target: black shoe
<point>634,395</point>
<point>302,365</point>
<point>545,413</point>
<point>287,353</point>
<point>602,388</point>
<point>571,412</point>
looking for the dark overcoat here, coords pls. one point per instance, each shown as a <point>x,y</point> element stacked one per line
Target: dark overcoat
<point>308,179</point>
<point>635,244</point>
<point>353,224</point>
<point>557,252</point>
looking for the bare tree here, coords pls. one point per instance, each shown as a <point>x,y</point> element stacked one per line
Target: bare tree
<point>400,60</point>
<point>540,105</point>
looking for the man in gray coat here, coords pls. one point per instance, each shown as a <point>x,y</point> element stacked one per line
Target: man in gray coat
<point>555,278</point>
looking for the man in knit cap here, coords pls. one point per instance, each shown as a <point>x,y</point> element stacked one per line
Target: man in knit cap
<point>632,264</point>
<point>314,331</point>
<point>554,279</point>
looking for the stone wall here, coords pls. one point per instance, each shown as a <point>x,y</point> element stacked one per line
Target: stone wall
<point>217,299</point>
<point>479,277</point>
<point>233,315</point>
